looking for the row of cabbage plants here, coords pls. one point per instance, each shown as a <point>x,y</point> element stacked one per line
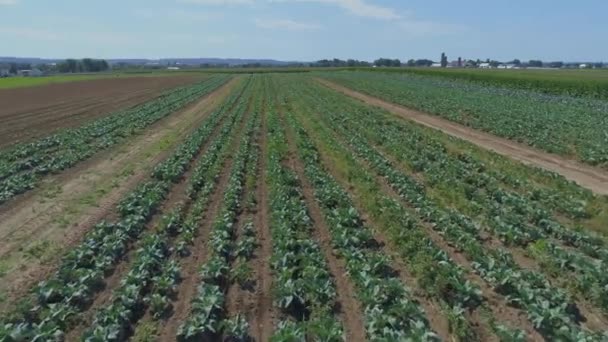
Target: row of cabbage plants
<point>82,271</point>
<point>22,166</point>
<point>390,310</point>
<point>555,123</point>
<point>303,287</point>
<point>153,278</point>
<point>517,219</point>
<point>206,318</point>
<point>441,277</point>
<point>550,309</point>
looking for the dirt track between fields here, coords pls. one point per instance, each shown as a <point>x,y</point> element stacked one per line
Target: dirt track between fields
<point>586,176</point>
<point>84,195</point>
<point>27,113</point>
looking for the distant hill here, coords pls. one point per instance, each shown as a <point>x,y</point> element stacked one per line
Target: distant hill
<point>162,61</point>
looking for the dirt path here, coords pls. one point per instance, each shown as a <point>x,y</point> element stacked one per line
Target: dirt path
<point>586,176</point>
<point>38,228</point>
<point>264,313</point>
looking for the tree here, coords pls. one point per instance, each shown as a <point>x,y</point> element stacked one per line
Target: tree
<point>84,65</point>
<point>384,62</point>
<point>515,62</point>
<point>444,60</point>
<point>13,69</point>
<point>424,62</point>
<point>411,63</point>
<point>535,63</point>
<point>556,64</point>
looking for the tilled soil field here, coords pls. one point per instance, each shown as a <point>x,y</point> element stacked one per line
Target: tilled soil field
<point>32,112</point>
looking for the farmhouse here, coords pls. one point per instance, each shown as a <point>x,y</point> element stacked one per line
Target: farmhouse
<point>436,65</point>
<point>485,66</point>
<point>4,73</point>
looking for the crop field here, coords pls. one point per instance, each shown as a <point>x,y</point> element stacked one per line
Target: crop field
<point>576,82</point>
<point>21,82</point>
<point>273,207</point>
<point>570,126</point>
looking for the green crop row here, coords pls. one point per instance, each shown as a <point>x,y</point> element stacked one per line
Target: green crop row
<point>303,286</point>
<point>525,220</point>
<point>82,271</point>
<point>153,277</point>
<point>22,166</point>
<point>206,319</point>
<point>550,309</point>
<point>573,127</point>
<point>588,83</point>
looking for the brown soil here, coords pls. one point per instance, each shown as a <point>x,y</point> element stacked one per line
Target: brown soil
<point>350,309</point>
<point>264,313</point>
<point>86,194</point>
<point>586,176</point>
<point>32,112</point>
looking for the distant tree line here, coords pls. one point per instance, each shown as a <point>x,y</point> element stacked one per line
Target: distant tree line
<point>385,62</point>
<point>339,63</point>
<point>83,65</point>
<point>419,62</point>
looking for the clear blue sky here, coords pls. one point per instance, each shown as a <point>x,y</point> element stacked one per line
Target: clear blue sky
<point>306,29</point>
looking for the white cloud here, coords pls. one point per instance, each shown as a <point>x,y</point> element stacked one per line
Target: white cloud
<point>285,24</point>
<point>8,2</point>
<point>360,8</point>
<point>216,2</point>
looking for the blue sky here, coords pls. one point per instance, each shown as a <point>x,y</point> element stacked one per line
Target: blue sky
<point>306,29</point>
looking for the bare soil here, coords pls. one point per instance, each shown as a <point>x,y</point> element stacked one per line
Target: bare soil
<point>31,112</point>
<point>83,196</point>
<point>264,313</point>
<point>586,176</point>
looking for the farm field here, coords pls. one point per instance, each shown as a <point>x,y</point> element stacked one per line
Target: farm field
<point>272,207</point>
<point>569,126</point>
<point>575,82</point>
<point>32,112</point>
<point>22,82</point>
<point>23,165</point>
